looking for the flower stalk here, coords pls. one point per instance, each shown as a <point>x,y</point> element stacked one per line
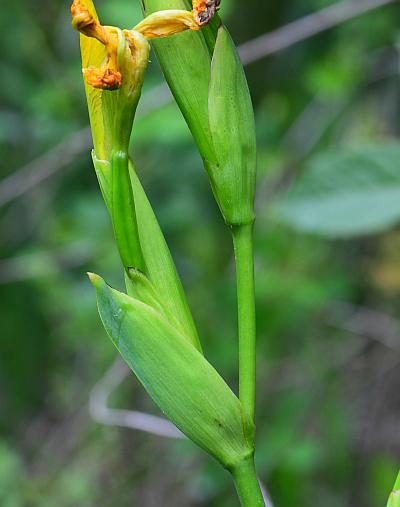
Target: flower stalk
<point>151,325</point>
<point>247,484</point>
<point>214,98</point>
<point>244,259</point>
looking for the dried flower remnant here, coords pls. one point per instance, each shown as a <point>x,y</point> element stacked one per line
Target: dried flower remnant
<point>108,77</point>
<point>158,25</point>
<point>205,10</point>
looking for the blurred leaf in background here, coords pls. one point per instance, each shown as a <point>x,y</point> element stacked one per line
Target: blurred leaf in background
<point>346,193</point>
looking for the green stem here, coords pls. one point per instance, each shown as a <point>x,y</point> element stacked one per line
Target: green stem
<point>244,256</point>
<point>247,485</point>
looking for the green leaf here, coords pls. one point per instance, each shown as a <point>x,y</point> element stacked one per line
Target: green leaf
<point>160,267</point>
<point>180,380</point>
<point>394,498</point>
<point>346,194</point>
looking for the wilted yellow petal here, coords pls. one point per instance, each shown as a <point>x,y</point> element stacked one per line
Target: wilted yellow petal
<point>86,23</point>
<point>165,23</point>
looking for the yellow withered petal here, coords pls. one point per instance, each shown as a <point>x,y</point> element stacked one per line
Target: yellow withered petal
<point>105,74</point>
<point>165,23</point>
<point>93,55</point>
<point>204,10</point>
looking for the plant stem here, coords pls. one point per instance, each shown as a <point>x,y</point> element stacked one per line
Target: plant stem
<point>247,485</point>
<point>244,256</point>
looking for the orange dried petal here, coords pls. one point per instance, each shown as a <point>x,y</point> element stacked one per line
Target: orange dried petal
<point>104,79</point>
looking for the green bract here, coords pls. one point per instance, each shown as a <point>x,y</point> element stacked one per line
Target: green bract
<point>180,380</point>
<point>207,79</point>
<point>159,268</point>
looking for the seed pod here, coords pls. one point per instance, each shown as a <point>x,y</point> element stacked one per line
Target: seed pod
<point>180,380</point>
<point>207,80</point>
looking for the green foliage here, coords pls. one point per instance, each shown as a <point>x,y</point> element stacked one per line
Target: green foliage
<point>160,267</point>
<point>394,498</point>
<point>346,194</point>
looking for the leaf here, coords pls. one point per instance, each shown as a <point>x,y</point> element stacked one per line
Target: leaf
<point>160,266</point>
<point>394,498</point>
<point>346,194</point>
<point>179,379</point>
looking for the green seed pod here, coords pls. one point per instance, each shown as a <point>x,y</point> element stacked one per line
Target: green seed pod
<point>180,380</point>
<point>207,79</point>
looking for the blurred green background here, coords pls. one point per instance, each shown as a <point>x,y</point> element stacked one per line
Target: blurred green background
<point>327,267</point>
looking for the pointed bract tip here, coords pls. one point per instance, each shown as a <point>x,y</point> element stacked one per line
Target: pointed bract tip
<point>96,280</point>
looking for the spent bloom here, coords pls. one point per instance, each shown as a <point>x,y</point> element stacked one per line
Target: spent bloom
<point>115,60</point>
<point>158,25</point>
